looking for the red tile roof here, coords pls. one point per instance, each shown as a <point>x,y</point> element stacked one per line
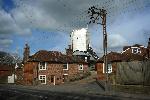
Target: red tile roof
<point>44,55</point>
<point>53,56</point>
<point>111,57</point>
<point>132,57</point>
<point>7,66</point>
<point>6,69</point>
<point>117,57</point>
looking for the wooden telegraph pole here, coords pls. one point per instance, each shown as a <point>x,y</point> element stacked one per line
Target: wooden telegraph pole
<point>95,14</point>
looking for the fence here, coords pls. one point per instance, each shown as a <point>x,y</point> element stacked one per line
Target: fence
<point>134,72</point>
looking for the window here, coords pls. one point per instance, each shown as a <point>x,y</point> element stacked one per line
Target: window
<point>65,66</point>
<point>42,65</point>
<point>80,66</point>
<point>42,79</point>
<point>136,50</point>
<point>109,70</point>
<point>86,59</point>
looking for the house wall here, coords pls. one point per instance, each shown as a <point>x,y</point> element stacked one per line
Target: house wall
<point>11,78</point>
<point>51,71</point>
<point>5,71</point>
<point>74,72</point>
<point>101,74</point>
<point>30,72</point>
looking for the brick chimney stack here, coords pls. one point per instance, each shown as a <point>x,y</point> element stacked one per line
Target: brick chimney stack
<point>26,53</point>
<point>148,43</point>
<point>148,49</point>
<point>69,51</point>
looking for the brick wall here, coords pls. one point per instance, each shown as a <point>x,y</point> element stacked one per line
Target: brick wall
<point>74,72</point>
<point>5,71</point>
<point>51,71</point>
<point>101,75</point>
<point>30,72</point>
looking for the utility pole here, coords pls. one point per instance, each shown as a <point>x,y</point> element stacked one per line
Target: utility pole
<point>95,14</point>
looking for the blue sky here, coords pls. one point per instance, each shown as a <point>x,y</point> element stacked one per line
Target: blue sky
<point>46,24</point>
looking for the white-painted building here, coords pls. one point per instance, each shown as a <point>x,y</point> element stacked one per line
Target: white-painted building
<point>80,39</point>
<point>11,79</point>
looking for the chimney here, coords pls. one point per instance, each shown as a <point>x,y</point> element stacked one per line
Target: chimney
<point>26,53</point>
<point>69,51</point>
<point>148,49</point>
<point>148,43</point>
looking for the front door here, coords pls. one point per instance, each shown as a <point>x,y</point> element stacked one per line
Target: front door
<point>65,77</point>
<point>53,79</point>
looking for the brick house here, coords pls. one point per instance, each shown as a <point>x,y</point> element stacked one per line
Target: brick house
<point>129,54</point>
<point>138,50</point>
<point>112,58</point>
<point>52,68</point>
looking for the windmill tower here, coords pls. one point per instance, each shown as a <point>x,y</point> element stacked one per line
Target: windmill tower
<point>80,39</point>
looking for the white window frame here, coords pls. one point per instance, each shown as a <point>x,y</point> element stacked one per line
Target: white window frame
<point>86,59</point>
<point>66,68</point>
<point>109,70</point>
<point>42,78</point>
<point>138,50</point>
<point>80,66</point>
<point>43,67</point>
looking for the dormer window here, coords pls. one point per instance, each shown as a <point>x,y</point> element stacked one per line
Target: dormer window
<point>42,65</point>
<point>136,50</point>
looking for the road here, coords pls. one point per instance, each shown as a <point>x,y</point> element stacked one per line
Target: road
<point>17,93</point>
<point>14,92</point>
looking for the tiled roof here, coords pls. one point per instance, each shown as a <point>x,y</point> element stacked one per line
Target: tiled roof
<point>117,57</point>
<point>126,47</point>
<point>132,57</point>
<point>111,57</point>
<point>7,66</point>
<point>53,56</point>
<point>44,55</point>
<point>6,69</point>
